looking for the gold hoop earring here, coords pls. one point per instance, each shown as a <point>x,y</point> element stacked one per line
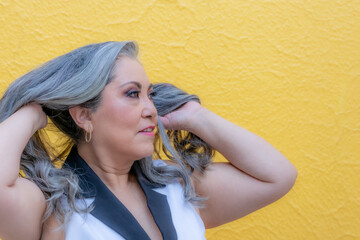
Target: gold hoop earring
<point>88,135</point>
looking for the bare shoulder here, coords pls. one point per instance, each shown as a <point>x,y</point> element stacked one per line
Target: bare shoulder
<point>52,229</point>
<point>22,207</point>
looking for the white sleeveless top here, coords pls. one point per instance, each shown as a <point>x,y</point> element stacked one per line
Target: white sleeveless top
<point>110,220</point>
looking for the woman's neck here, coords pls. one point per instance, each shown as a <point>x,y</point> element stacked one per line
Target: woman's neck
<point>114,172</point>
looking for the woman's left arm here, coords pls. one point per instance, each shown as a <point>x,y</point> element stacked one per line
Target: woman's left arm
<point>257,174</point>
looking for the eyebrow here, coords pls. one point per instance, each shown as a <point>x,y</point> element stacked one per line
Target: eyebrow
<point>136,83</point>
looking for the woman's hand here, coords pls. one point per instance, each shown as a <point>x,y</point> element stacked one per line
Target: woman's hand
<point>184,117</point>
<point>36,114</point>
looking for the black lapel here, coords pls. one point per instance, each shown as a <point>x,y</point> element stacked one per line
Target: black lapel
<point>158,205</point>
<point>109,210</point>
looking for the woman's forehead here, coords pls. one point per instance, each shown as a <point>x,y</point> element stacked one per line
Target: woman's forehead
<point>128,70</point>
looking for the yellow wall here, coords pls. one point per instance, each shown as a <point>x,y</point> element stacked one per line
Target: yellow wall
<point>286,70</point>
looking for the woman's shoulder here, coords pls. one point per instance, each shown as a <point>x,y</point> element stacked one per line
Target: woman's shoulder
<point>52,229</point>
<point>22,209</point>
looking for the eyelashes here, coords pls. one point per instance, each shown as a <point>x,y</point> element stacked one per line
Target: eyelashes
<point>135,94</point>
<point>152,94</point>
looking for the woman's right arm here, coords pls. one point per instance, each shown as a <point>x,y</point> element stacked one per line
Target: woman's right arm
<point>22,204</point>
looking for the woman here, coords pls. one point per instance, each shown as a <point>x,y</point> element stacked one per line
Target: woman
<point>109,187</point>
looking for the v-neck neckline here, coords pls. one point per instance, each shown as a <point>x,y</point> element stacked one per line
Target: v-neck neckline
<point>109,209</point>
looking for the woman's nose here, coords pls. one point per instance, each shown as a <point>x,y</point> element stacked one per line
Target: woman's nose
<point>149,109</point>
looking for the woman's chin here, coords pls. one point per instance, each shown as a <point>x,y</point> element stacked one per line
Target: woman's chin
<point>146,153</point>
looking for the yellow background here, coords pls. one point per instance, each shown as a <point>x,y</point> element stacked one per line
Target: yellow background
<point>286,70</point>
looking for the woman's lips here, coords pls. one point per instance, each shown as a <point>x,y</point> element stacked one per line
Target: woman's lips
<point>149,131</point>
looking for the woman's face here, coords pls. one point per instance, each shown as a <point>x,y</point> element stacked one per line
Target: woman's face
<point>124,122</point>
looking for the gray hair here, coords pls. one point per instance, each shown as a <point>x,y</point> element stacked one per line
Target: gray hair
<point>194,152</point>
<point>184,148</point>
<point>77,79</point>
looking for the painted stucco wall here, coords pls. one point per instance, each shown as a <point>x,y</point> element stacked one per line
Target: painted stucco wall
<point>286,70</point>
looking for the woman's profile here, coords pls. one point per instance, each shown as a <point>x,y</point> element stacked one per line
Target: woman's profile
<point>109,186</point>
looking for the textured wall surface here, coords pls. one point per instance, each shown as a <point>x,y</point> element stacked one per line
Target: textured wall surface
<point>286,70</point>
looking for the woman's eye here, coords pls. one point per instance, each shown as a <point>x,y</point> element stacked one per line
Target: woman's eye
<point>151,95</point>
<point>133,94</point>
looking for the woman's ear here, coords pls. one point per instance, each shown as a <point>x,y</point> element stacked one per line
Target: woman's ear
<point>81,116</point>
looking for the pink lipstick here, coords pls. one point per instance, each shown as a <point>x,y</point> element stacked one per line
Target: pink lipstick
<point>148,131</point>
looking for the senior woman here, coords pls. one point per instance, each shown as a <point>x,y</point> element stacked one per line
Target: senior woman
<point>109,186</point>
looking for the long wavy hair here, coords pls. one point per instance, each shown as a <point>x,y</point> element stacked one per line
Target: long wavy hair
<point>77,79</point>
